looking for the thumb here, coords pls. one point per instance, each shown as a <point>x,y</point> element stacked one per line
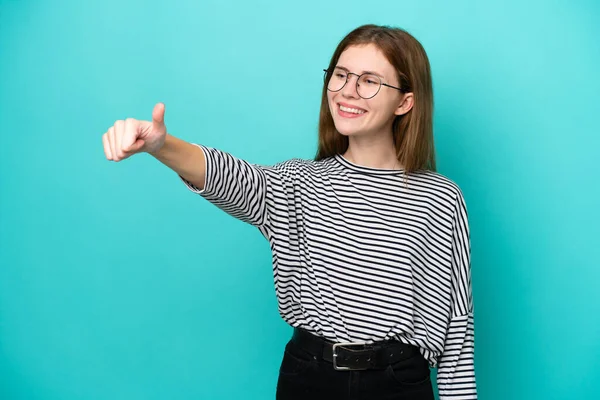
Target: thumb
<point>158,117</point>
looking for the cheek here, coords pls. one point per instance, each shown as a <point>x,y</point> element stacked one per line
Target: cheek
<point>329,98</point>
<point>331,103</point>
<point>382,109</point>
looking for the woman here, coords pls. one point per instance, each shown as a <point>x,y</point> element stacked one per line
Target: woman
<point>371,248</point>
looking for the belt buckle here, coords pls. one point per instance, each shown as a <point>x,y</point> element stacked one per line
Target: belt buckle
<point>335,355</point>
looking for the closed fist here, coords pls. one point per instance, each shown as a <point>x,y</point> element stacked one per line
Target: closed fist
<point>128,137</point>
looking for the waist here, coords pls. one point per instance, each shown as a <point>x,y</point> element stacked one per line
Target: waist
<point>354,356</point>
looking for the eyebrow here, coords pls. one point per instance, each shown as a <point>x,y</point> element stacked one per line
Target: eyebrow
<point>364,72</point>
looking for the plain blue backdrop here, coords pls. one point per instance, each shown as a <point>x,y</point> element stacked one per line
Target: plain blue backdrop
<point>118,283</point>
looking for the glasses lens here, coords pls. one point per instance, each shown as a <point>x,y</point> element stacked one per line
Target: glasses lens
<point>368,85</point>
<point>337,80</point>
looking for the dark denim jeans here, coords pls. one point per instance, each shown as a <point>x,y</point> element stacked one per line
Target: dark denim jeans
<point>303,376</point>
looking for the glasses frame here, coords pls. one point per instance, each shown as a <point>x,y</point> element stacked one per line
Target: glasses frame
<point>348,73</point>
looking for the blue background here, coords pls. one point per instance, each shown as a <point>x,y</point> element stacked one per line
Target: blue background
<point>118,283</point>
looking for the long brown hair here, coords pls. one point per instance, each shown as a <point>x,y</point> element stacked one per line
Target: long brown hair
<point>413,131</point>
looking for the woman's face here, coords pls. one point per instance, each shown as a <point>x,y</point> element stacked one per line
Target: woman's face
<point>367,116</point>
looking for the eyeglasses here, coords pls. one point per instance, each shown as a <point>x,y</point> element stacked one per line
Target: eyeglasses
<point>367,85</point>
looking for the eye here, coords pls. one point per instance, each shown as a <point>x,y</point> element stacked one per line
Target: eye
<point>370,80</point>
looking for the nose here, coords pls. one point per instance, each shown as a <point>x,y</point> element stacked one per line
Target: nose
<point>350,88</point>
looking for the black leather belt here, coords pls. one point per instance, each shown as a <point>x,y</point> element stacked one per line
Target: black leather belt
<point>354,356</point>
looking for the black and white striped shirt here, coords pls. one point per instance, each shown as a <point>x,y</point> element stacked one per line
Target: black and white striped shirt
<point>362,254</point>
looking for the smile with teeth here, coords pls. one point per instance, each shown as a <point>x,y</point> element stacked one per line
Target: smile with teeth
<point>351,110</point>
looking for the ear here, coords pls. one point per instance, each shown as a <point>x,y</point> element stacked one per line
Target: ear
<point>406,104</point>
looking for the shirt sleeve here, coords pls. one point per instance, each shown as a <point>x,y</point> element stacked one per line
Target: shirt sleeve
<point>456,370</point>
<point>258,195</point>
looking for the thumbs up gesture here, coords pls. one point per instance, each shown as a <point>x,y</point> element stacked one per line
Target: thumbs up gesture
<point>131,136</point>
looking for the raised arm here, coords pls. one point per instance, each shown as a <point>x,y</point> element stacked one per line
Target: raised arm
<point>251,193</point>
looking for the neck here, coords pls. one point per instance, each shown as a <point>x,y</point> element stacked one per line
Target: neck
<point>373,152</point>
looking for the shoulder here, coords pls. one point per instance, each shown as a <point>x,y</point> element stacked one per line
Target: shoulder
<point>301,165</point>
<point>441,184</point>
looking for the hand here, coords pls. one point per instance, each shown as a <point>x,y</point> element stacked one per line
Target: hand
<point>126,138</point>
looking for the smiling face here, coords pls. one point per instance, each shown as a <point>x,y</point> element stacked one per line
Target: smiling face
<point>356,116</point>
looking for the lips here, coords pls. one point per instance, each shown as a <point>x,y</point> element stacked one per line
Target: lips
<point>349,113</point>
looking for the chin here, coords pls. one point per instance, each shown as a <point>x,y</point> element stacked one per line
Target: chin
<point>345,131</point>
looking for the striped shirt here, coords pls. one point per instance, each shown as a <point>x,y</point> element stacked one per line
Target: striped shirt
<point>361,254</point>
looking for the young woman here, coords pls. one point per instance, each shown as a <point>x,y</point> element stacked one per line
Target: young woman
<point>371,247</point>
